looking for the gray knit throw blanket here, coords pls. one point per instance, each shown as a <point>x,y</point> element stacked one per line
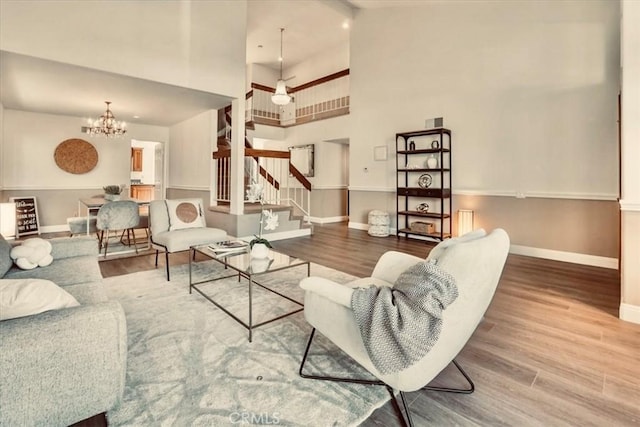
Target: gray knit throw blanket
<point>400,325</point>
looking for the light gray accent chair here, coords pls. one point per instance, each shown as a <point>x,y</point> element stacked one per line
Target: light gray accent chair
<point>172,241</point>
<point>119,215</point>
<point>475,260</point>
<point>62,366</point>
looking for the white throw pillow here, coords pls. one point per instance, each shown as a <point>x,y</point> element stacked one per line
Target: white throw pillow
<point>185,213</point>
<point>25,297</point>
<point>35,252</point>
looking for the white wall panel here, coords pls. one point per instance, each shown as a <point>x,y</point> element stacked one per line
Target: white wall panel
<point>195,44</point>
<point>30,140</point>
<point>190,151</point>
<point>529,90</point>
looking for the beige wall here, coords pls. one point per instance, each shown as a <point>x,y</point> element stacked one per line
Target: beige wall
<point>631,261</point>
<point>55,206</point>
<point>630,202</point>
<point>587,227</point>
<point>329,204</point>
<point>529,90</point>
<point>362,202</point>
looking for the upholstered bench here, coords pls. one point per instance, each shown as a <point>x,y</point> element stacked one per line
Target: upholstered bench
<point>78,225</point>
<point>178,224</point>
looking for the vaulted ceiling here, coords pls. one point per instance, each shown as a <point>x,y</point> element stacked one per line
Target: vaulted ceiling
<point>311,26</point>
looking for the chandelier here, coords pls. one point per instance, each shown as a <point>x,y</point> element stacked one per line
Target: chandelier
<point>281,97</point>
<point>106,124</point>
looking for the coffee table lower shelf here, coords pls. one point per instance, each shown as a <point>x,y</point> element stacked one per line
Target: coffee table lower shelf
<point>249,275</point>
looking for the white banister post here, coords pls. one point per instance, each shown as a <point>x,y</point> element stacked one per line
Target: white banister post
<point>237,156</point>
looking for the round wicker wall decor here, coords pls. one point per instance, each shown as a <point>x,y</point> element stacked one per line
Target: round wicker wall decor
<point>76,156</point>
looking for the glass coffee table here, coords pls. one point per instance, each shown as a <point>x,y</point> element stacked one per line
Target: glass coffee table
<point>245,267</point>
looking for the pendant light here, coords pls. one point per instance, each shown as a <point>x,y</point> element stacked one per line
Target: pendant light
<point>281,97</point>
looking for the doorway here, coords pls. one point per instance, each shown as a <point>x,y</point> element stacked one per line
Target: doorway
<point>147,170</point>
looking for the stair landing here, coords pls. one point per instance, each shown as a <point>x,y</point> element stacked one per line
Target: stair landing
<point>249,207</point>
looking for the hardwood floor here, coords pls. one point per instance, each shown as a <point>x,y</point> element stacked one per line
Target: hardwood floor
<point>551,350</point>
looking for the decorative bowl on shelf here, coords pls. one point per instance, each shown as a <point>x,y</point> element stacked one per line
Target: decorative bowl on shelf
<point>425,180</point>
<point>422,207</point>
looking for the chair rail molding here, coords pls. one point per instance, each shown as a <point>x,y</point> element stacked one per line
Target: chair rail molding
<point>188,187</point>
<point>374,189</point>
<point>630,205</point>
<point>537,195</point>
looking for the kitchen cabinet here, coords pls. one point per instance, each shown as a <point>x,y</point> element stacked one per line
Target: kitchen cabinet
<point>142,192</point>
<point>136,159</point>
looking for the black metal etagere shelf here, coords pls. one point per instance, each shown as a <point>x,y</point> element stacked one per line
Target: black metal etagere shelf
<point>423,182</point>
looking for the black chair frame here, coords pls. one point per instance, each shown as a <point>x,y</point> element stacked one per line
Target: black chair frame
<point>405,418</point>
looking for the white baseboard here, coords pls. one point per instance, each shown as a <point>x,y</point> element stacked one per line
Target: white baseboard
<point>358,225</point>
<point>576,258</point>
<point>54,228</point>
<point>630,313</point>
<point>327,220</point>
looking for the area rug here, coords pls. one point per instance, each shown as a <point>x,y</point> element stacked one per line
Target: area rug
<point>190,364</point>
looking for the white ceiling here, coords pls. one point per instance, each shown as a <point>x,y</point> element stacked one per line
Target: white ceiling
<point>42,86</point>
<point>311,26</point>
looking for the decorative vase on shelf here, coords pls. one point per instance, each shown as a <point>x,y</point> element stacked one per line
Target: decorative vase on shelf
<point>259,250</point>
<point>112,197</point>
<point>432,162</point>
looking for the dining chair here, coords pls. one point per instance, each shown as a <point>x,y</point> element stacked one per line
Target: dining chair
<point>115,216</point>
<point>142,225</point>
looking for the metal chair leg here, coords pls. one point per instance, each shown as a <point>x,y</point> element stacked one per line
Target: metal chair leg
<point>106,244</point>
<point>135,242</point>
<point>405,417</point>
<point>157,258</point>
<point>329,378</point>
<point>166,261</point>
<point>405,421</point>
<point>469,390</point>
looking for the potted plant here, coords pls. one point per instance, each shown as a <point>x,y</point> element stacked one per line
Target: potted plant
<point>112,192</point>
<point>268,221</point>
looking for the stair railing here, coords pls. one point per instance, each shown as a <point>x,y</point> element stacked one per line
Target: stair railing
<point>319,99</point>
<point>282,182</point>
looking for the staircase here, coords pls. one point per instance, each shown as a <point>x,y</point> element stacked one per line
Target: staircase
<point>285,190</point>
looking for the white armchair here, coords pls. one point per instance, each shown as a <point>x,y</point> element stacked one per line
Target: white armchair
<point>178,224</point>
<point>475,260</point>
